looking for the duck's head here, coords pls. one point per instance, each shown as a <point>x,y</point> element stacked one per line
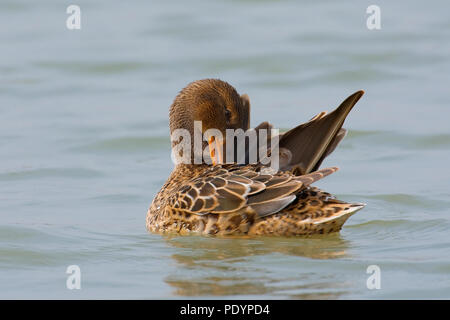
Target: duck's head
<point>212,103</point>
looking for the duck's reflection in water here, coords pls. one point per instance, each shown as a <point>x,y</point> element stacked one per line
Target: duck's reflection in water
<point>257,267</point>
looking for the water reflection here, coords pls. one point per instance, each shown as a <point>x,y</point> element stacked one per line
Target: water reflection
<point>273,267</point>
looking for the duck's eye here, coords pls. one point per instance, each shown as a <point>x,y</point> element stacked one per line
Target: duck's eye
<point>227,113</point>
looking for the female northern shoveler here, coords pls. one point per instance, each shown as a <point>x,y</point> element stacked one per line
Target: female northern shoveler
<point>249,199</point>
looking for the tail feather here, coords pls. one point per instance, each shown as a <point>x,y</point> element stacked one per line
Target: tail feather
<point>309,143</point>
<point>313,212</point>
<point>335,221</point>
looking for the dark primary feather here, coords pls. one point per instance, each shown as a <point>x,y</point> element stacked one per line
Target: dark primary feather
<point>309,143</point>
<point>303,148</point>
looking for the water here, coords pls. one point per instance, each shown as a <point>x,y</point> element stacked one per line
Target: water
<point>84,145</point>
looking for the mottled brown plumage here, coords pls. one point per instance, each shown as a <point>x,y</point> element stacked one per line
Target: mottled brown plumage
<point>251,199</point>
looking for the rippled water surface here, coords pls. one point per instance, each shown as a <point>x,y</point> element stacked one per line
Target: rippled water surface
<point>84,145</point>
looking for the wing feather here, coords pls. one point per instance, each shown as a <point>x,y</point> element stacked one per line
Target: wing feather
<point>227,189</point>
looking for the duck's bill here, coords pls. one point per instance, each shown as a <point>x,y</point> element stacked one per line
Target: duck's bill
<point>215,150</point>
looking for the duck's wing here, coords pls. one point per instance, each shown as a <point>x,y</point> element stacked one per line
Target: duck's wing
<point>229,188</point>
<point>308,144</point>
<point>303,148</point>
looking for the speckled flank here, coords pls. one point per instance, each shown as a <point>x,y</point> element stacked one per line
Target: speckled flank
<point>311,212</point>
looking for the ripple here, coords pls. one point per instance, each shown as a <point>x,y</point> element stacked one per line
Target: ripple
<point>400,140</point>
<point>402,229</point>
<point>93,68</point>
<point>128,144</point>
<point>72,173</point>
<point>117,198</point>
<point>27,247</point>
<point>355,76</point>
<point>408,200</point>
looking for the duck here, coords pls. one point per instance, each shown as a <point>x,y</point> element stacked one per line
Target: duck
<point>215,196</point>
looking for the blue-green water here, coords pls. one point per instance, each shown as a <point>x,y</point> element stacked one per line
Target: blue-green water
<point>84,145</point>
